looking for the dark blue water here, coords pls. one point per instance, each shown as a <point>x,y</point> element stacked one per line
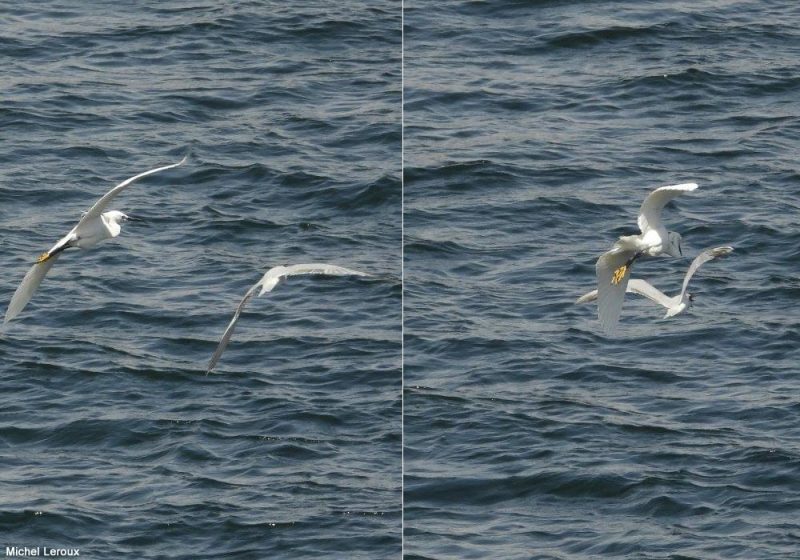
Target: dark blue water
<point>533,130</point>
<point>111,438</point>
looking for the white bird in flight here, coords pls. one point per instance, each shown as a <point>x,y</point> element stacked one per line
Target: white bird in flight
<point>675,304</point>
<point>93,227</point>
<point>267,283</point>
<point>613,268</point>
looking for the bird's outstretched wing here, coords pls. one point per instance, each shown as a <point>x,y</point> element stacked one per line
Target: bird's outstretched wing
<point>28,287</point>
<point>106,199</point>
<point>226,336</point>
<point>322,268</point>
<point>274,275</point>
<point>635,286</point>
<point>699,260</point>
<point>644,288</point>
<point>613,272</point>
<point>587,297</point>
<point>650,212</point>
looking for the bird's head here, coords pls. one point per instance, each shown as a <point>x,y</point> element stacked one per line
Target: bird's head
<point>113,220</point>
<point>685,303</point>
<point>116,217</point>
<point>119,217</point>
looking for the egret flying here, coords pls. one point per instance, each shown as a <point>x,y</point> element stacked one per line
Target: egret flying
<point>93,227</point>
<point>613,267</point>
<point>267,283</point>
<point>675,304</point>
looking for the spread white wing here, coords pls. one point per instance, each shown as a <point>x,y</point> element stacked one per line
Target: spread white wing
<point>699,260</point>
<point>644,288</point>
<point>613,274</point>
<point>587,297</point>
<point>106,199</point>
<point>275,274</point>
<point>322,268</point>
<point>226,336</point>
<point>635,286</point>
<point>650,212</point>
<point>28,287</point>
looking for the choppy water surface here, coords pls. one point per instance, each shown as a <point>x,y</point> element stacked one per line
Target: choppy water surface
<point>533,132</point>
<point>111,438</point>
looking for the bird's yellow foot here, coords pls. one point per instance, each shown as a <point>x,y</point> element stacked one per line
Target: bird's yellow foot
<point>619,274</point>
<point>43,257</point>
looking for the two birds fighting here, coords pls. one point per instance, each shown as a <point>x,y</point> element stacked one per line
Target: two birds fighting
<point>613,268</point>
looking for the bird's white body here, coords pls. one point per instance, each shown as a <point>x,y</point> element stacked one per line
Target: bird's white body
<point>91,232</point>
<point>652,243</point>
<point>266,284</point>
<point>93,227</point>
<point>675,305</point>
<point>676,308</point>
<point>613,267</point>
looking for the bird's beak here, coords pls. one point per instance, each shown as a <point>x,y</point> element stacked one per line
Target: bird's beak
<point>130,218</point>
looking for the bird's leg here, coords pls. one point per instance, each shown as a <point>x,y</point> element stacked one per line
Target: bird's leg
<point>47,255</point>
<point>620,272</point>
<point>43,257</point>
